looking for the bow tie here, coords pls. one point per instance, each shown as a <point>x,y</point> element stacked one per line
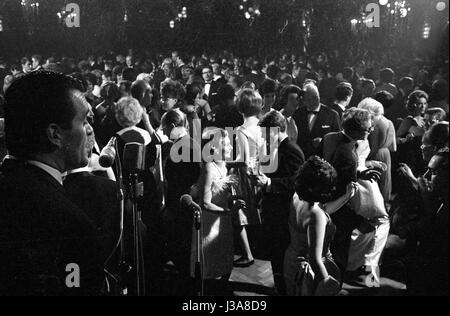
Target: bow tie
<point>313,112</point>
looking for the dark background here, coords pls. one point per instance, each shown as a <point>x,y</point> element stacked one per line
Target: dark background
<point>214,25</point>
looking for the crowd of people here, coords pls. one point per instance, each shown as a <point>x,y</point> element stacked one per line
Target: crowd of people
<point>325,161</point>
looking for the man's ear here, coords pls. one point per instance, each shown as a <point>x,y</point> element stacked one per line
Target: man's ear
<point>54,135</point>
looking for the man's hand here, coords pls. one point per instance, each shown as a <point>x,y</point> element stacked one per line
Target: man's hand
<point>371,175</point>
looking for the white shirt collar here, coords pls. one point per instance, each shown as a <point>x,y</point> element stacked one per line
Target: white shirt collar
<point>341,106</point>
<point>50,170</point>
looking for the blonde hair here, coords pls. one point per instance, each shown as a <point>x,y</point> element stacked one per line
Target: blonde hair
<point>128,112</point>
<point>372,105</point>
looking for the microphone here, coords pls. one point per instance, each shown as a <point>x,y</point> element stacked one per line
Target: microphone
<point>134,157</point>
<point>108,154</point>
<point>187,203</point>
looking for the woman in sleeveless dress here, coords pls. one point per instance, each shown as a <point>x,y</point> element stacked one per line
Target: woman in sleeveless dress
<point>215,186</point>
<point>250,147</point>
<point>309,268</point>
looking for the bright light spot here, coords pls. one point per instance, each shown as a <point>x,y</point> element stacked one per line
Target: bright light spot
<point>247,15</point>
<point>384,2</point>
<point>440,6</point>
<point>354,21</point>
<point>403,13</point>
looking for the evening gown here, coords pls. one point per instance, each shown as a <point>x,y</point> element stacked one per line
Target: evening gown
<point>216,231</point>
<point>384,137</point>
<point>297,272</point>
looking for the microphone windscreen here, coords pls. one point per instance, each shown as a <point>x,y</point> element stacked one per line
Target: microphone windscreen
<point>186,201</point>
<point>134,157</point>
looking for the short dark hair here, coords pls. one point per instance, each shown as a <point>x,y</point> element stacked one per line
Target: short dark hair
<point>129,74</point>
<point>249,103</point>
<point>439,134</point>
<point>406,83</point>
<point>138,88</point>
<point>192,91</point>
<point>343,91</point>
<point>354,118</point>
<point>274,119</point>
<point>286,91</point>
<point>273,72</point>
<point>225,93</point>
<point>385,98</point>
<point>268,86</point>
<point>316,181</point>
<point>387,75</point>
<point>32,103</point>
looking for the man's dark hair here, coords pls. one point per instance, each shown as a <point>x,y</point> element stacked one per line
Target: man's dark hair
<point>268,86</point>
<point>192,91</point>
<point>32,103</point>
<point>354,119</point>
<point>273,72</point>
<point>387,75</point>
<point>129,74</point>
<point>385,98</point>
<point>343,91</point>
<point>439,134</point>
<point>138,89</point>
<point>286,91</point>
<point>225,93</point>
<point>406,83</point>
<point>274,119</point>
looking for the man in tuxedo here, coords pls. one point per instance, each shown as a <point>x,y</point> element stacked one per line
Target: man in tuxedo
<point>314,120</point>
<point>340,150</point>
<point>278,192</point>
<point>343,96</point>
<point>211,87</point>
<point>44,236</point>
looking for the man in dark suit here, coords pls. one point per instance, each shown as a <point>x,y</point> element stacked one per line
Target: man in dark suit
<point>278,191</point>
<point>314,121</point>
<point>211,86</point>
<point>340,150</point>
<point>44,237</point>
<point>343,96</point>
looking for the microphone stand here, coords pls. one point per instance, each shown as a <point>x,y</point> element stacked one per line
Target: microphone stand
<point>198,284</point>
<point>137,190</point>
<point>124,267</point>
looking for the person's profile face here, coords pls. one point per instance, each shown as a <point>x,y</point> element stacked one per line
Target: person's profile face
<point>292,101</point>
<point>78,141</point>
